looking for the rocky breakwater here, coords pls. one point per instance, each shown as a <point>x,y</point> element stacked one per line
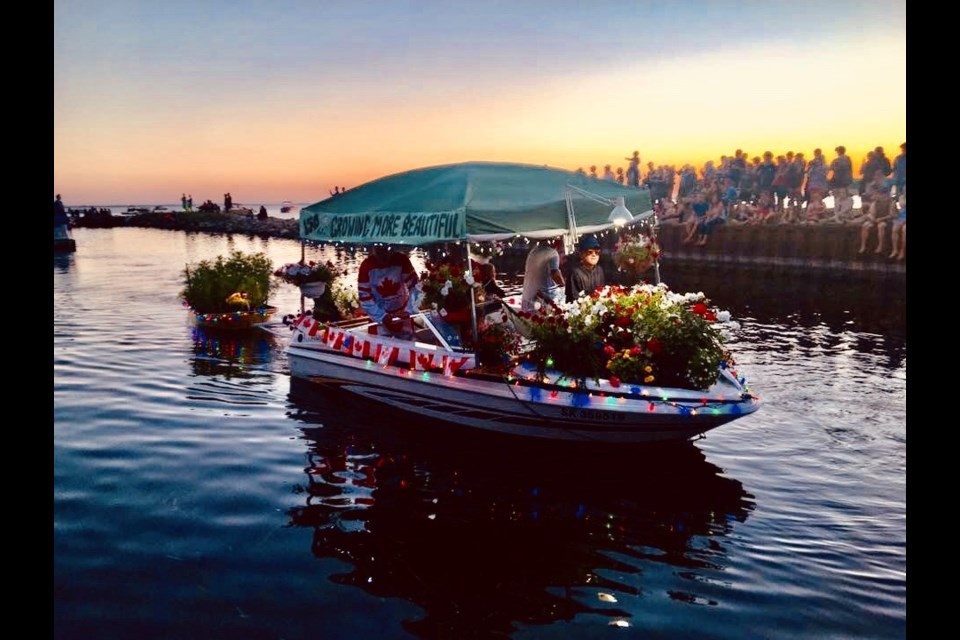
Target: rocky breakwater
<point>200,221</point>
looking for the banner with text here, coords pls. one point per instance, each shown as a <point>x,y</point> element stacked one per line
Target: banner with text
<point>385,227</point>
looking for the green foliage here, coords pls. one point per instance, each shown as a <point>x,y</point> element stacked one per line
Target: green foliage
<point>565,345</point>
<point>346,299</point>
<point>497,345</point>
<point>210,283</point>
<point>643,335</point>
<point>447,286</point>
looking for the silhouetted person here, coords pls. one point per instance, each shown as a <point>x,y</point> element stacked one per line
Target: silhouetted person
<point>60,220</point>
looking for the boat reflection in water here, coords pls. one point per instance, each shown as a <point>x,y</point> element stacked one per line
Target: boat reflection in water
<point>230,354</point>
<point>485,533</point>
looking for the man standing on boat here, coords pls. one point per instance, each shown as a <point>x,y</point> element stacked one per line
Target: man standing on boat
<point>542,277</point>
<point>388,291</point>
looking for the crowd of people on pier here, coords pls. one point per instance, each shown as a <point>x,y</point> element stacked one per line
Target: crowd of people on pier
<point>786,188</point>
<point>763,189</point>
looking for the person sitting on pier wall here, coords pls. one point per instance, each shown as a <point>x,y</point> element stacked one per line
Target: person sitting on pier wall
<point>879,212</point>
<point>816,211</point>
<point>700,207</point>
<point>898,232</point>
<point>716,216</point>
<point>667,212</point>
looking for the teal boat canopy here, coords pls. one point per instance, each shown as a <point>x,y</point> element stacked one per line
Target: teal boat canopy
<point>472,201</point>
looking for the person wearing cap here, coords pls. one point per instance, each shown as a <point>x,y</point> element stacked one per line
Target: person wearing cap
<point>588,275</point>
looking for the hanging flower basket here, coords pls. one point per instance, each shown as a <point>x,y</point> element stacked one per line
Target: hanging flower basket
<point>301,273</point>
<point>635,255</point>
<point>313,289</point>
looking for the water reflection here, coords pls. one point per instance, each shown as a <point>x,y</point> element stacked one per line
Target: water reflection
<point>485,533</point>
<point>230,354</point>
<point>62,262</point>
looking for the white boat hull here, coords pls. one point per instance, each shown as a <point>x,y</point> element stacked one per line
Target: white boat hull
<point>511,404</point>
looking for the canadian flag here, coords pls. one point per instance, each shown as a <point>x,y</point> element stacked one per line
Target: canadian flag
<point>388,356</point>
<point>452,365</point>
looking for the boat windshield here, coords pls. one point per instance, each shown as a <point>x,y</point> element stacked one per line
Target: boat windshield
<point>431,328</point>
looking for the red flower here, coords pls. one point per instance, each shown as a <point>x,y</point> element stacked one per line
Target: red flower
<point>622,321</point>
<point>614,381</point>
<point>700,309</point>
<point>654,346</point>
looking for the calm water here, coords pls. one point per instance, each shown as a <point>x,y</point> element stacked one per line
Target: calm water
<point>199,493</point>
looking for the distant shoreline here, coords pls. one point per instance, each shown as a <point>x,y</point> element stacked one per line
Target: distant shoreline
<point>199,221</point>
<point>823,248</point>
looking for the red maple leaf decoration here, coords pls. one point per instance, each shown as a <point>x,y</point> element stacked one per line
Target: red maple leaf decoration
<point>388,287</point>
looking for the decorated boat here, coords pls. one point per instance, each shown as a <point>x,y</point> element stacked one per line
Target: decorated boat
<point>229,292</point>
<point>621,365</point>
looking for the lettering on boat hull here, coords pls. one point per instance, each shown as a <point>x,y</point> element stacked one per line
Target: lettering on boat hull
<point>593,415</point>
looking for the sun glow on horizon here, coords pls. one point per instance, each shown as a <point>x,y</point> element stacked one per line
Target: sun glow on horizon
<point>153,140</point>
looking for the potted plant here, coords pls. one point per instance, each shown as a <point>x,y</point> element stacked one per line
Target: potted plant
<point>315,280</point>
<point>229,292</point>
<point>312,277</point>
<point>347,301</point>
<point>635,253</point>
<point>497,345</point>
<point>447,289</point>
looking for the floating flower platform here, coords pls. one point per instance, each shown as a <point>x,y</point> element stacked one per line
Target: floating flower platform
<point>233,320</point>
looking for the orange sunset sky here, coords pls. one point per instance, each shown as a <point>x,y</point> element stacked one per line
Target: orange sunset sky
<point>277,101</point>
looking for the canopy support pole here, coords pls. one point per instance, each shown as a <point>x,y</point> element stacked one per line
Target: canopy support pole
<point>571,221</point>
<point>303,260</point>
<point>473,299</point>
<point>653,239</point>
